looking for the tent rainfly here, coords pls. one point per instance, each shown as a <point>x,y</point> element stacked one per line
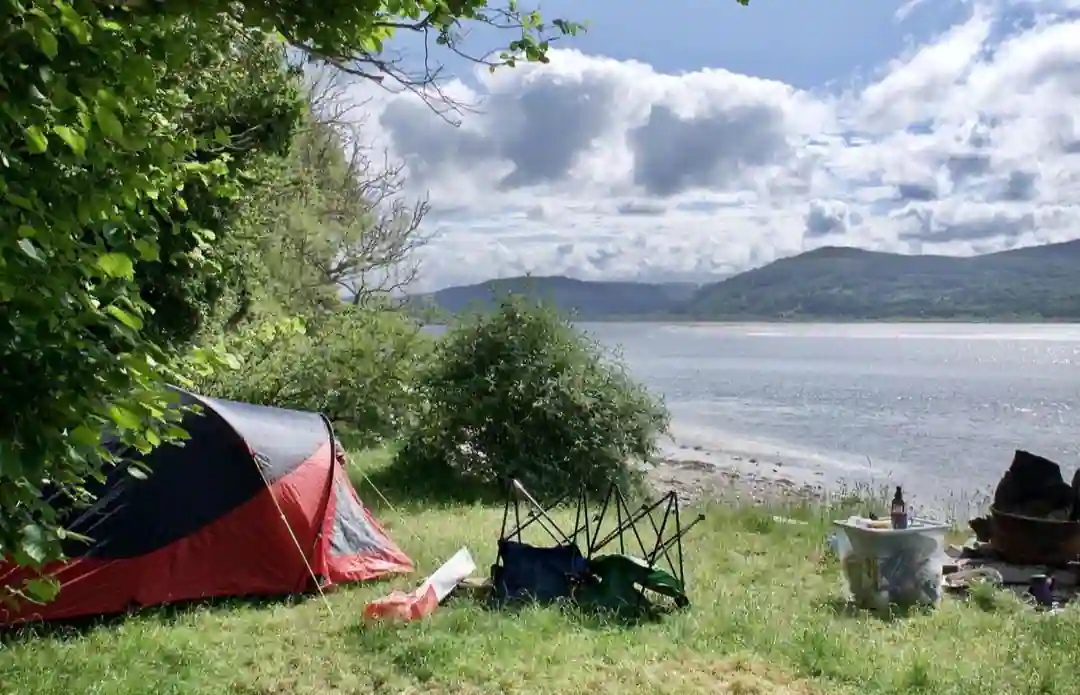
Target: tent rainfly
<point>256,502</point>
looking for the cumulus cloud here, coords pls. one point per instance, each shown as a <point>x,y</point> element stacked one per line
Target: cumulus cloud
<point>601,168</point>
<point>827,218</point>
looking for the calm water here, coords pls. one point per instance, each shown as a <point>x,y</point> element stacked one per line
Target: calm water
<point>939,408</point>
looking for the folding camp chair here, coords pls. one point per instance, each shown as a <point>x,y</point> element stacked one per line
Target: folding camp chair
<point>620,579</point>
<point>563,571</point>
<point>524,571</point>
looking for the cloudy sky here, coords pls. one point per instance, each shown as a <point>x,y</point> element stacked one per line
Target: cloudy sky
<point>687,139</point>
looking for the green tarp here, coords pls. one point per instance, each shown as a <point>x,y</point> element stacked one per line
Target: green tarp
<point>619,583</point>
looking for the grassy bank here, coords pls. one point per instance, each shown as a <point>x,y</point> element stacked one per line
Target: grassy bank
<point>767,617</point>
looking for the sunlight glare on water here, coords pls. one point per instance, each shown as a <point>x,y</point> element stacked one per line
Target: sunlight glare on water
<point>940,405</point>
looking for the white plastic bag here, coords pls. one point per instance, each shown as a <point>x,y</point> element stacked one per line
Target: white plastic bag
<point>886,566</point>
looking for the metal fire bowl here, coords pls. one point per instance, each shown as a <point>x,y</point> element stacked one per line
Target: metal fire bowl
<point>1027,540</point>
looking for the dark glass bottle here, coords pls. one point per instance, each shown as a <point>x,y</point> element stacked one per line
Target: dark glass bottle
<point>898,510</point>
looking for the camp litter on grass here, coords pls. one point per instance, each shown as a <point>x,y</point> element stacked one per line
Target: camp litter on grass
<point>769,612</point>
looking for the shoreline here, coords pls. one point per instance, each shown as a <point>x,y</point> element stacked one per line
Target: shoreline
<point>698,481</point>
<point>702,475</point>
<point>740,468</point>
<point>697,475</point>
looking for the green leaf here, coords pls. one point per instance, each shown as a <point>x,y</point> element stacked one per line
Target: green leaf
<point>152,437</point>
<point>36,140</point>
<point>85,436</point>
<point>21,201</point>
<point>33,543</point>
<point>116,265</point>
<point>130,320</point>
<point>26,231</point>
<point>72,139</point>
<point>173,432</point>
<point>42,589</point>
<point>71,535</point>
<point>148,250</point>
<point>371,44</point>
<point>124,417</point>
<point>73,22</point>
<point>108,122</point>
<point>83,115</point>
<point>27,247</point>
<point>136,472</point>
<point>47,42</point>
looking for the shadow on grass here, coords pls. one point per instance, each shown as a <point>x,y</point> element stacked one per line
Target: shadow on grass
<point>402,485</point>
<point>845,608</point>
<point>629,619</point>
<point>580,615</point>
<point>164,615</point>
<point>388,474</point>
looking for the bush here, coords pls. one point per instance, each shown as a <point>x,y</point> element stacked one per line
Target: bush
<point>520,393</point>
<point>357,367</point>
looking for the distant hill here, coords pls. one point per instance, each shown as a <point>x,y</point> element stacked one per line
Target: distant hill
<point>1038,283</point>
<point>586,299</point>
<point>839,283</point>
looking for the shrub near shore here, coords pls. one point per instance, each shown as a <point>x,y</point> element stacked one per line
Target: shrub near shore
<point>521,393</point>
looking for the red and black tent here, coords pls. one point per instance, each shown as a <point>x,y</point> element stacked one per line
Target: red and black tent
<point>255,502</point>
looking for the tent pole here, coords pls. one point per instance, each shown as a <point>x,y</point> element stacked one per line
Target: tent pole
<point>330,487</point>
<point>401,515</point>
<point>296,541</point>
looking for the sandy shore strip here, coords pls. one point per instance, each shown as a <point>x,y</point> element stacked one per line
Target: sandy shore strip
<point>752,475</point>
<point>702,464</point>
<point>697,480</point>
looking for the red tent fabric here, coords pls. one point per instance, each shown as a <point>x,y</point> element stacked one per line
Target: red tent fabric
<point>255,502</point>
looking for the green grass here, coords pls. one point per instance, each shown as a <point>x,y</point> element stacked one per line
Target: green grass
<point>767,617</point>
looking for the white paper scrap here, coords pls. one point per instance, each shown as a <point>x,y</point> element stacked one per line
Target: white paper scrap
<point>446,578</point>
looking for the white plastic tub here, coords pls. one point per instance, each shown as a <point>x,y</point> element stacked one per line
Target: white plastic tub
<point>886,566</point>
